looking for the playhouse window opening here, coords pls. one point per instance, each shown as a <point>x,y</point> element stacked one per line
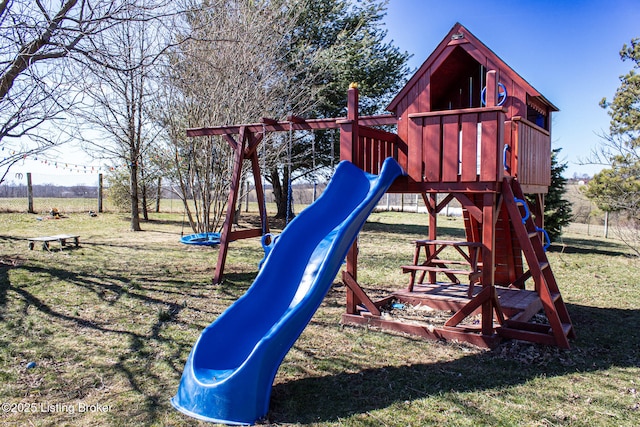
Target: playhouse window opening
<point>537,113</point>
<point>457,83</point>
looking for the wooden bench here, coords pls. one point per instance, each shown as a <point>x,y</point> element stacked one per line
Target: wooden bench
<point>62,238</point>
<point>468,266</point>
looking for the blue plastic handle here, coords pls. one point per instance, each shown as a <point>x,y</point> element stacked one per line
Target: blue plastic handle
<point>263,241</point>
<point>526,209</point>
<point>504,157</point>
<point>267,247</point>
<point>547,240</point>
<point>502,96</point>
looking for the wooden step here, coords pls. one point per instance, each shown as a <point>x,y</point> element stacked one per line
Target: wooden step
<point>410,268</point>
<point>535,332</point>
<point>567,329</point>
<point>521,334</point>
<point>449,261</point>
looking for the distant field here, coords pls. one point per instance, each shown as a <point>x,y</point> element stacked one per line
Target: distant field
<point>43,205</point>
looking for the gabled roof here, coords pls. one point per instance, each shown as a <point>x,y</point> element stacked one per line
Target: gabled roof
<point>460,36</point>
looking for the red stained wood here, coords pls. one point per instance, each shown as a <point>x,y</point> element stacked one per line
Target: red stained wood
<point>488,257</point>
<point>450,148</point>
<point>359,294</point>
<point>283,126</point>
<point>231,205</point>
<point>489,147</point>
<point>469,155</point>
<point>415,165</point>
<point>532,145</point>
<point>346,142</point>
<point>491,92</point>
<point>432,149</point>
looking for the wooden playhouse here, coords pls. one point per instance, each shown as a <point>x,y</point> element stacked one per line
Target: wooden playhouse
<point>469,128</point>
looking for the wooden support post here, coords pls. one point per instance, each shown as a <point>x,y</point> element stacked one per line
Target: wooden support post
<point>29,194</point>
<point>491,94</point>
<point>100,193</point>
<point>244,149</point>
<point>349,150</point>
<point>488,258</point>
<point>433,225</point>
<point>349,129</point>
<point>231,205</point>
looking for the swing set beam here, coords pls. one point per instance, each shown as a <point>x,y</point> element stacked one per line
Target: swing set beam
<point>244,140</point>
<point>296,123</point>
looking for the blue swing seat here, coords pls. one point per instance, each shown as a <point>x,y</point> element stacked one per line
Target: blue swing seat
<point>202,239</point>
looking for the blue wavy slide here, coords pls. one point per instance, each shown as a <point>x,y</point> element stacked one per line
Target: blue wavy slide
<point>230,370</point>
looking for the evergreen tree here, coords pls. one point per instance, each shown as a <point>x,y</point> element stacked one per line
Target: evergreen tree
<point>346,40</point>
<point>557,211</point>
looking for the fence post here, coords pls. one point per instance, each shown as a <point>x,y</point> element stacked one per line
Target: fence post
<point>30,193</point>
<point>100,192</point>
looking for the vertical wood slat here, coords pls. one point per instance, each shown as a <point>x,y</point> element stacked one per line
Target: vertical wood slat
<point>375,158</point>
<point>432,151</point>
<point>499,141</point>
<point>531,151</point>
<point>489,151</point>
<point>469,155</point>
<point>415,160</point>
<point>366,154</point>
<point>375,146</point>
<point>450,147</point>
<point>403,135</point>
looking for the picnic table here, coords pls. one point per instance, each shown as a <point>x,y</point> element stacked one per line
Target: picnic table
<point>62,238</point>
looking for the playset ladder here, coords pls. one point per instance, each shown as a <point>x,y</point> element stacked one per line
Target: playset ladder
<point>560,328</point>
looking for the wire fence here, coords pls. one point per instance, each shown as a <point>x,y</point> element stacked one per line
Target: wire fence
<point>48,194</point>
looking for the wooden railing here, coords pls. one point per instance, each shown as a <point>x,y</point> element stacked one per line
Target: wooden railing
<point>457,146</point>
<point>529,153</point>
<point>474,145</point>
<point>375,145</point>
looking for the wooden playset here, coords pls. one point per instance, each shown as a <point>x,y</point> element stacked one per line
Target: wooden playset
<point>470,129</point>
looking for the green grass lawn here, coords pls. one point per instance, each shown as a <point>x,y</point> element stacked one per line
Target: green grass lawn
<point>109,326</point>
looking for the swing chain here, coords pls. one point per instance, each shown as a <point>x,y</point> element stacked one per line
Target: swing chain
<point>264,180</point>
<point>289,189</point>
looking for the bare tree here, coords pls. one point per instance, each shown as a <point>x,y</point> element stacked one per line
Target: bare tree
<point>117,96</point>
<point>235,68</point>
<point>38,42</point>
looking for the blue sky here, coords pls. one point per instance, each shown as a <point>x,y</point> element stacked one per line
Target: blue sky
<point>567,49</point>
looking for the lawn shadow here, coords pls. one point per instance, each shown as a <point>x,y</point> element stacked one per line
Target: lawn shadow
<point>4,284</point>
<point>570,245</point>
<point>144,343</point>
<point>604,340</point>
<point>6,263</point>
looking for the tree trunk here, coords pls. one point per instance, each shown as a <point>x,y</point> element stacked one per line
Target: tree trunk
<point>158,194</point>
<point>135,210</point>
<point>280,194</point>
<point>145,208</point>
